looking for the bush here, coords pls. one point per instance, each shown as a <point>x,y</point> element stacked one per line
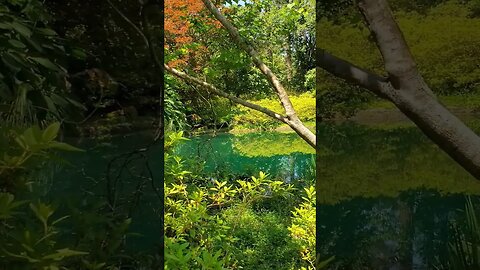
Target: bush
<point>230,223</point>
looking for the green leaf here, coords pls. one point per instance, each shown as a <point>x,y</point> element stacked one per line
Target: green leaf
<point>5,26</point>
<point>21,142</point>
<point>35,44</point>
<point>43,213</point>
<point>17,44</point>
<point>7,205</point>
<point>11,63</point>
<point>62,253</point>
<point>323,264</point>
<point>46,63</point>
<point>21,29</point>
<point>29,137</point>
<point>51,106</point>
<point>59,100</point>
<point>79,54</point>
<point>51,132</point>
<point>46,31</point>
<point>64,146</point>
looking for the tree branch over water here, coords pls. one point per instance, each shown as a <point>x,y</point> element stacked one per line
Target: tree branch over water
<point>350,72</point>
<point>291,118</point>
<point>406,88</point>
<point>213,89</point>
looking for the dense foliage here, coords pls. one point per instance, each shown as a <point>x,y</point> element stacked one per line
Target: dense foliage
<point>281,31</point>
<point>443,37</point>
<point>33,78</point>
<point>235,223</point>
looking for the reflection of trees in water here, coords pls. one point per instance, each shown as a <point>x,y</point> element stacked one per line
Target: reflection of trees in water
<point>364,162</point>
<point>289,173</point>
<point>407,232</point>
<point>226,154</point>
<point>387,198</point>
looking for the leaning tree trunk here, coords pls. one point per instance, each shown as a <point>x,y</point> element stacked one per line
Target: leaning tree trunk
<point>290,118</point>
<point>406,88</point>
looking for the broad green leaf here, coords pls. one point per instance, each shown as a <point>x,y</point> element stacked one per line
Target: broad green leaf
<point>46,31</point>
<point>51,106</point>
<point>51,132</point>
<point>79,54</point>
<point>59,100</point>
<point>75,103</point>
<point>21,142</point>
<point>21,29</point>
<point>17,44</point>
<point>11,63</point>
<point>5,26</point>
<point>8,204</point>
<point>42,211</point>
<point>62,253</point>
<point>29,138</point>
<point>64,146</point>
<point>46,63</point>
<point>32,41</point>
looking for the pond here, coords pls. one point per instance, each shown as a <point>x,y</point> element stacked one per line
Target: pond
<point>281,155</point>
<point>108,171</point>
<point>386,197</point>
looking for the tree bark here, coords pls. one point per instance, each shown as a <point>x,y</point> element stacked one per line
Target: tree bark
<point>406,88</point>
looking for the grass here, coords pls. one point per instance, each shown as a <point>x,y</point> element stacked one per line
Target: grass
<point>457,101</point>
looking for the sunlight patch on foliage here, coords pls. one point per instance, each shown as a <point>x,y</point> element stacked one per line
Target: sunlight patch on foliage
<point>268,145</point>
<point>304,105</point>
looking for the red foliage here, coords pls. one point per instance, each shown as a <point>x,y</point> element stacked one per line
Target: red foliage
<point>178,27</point>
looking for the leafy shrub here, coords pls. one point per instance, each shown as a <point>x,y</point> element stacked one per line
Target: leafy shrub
<point>32,145</point>
<point>33,243</point>
<point>215,112</point>
<point>227,224</point>
<point>303,230</point>
<point>263,239</point>
<point>174,110</point>
<point>33,235</point>
<point>33,84</point>
<point>464,243</point>
<point>303,226</point>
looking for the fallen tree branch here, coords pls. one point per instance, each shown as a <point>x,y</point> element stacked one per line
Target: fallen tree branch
<point>219,92</point>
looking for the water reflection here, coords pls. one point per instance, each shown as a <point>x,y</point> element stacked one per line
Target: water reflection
<point>386,198</point>
<point>282,155</point>
<point>84,183</point>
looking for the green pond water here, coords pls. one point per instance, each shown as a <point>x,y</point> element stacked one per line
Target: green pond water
<point>87,180</point>
<point>281,155</point>
<point>386,198</point>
